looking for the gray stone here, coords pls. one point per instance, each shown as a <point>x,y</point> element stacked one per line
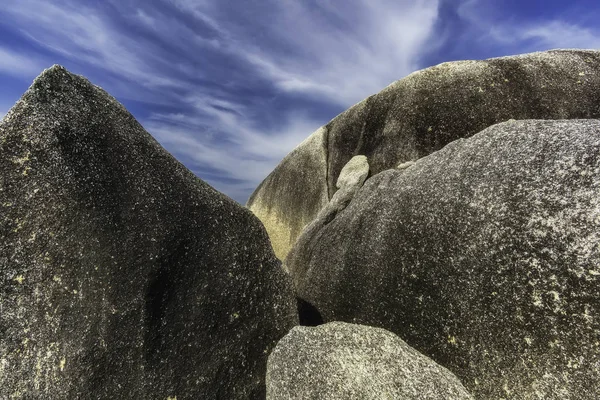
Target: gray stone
<point>351,179</point>
<point>418,115</point>
<point>484,256</point>
<point>122,275</point>
<point>404,165</point>
<point>354,173</point>
<point>344,361</point>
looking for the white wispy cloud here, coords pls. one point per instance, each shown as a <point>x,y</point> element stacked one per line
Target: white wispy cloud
<point>248,154</point>
<point>560,34</point>
<point>371,44</point>
<point>338,54</point>
<point>197,8</point>
<point>16,64</point>
<point>526,36</point>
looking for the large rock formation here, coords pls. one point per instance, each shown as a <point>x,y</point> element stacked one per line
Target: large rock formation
<point>484,256</point>
<point>344,361</point>
<point>418,115</point>
<point>122,275</point>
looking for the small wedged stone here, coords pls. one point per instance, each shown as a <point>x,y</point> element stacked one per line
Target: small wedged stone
<point>351,179</point>
<point>404,165</point>
<point>354,173</point>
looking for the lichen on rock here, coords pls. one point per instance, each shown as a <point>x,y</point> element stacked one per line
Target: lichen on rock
<point>119,269</point>
<point>418,115</point>
<point>346,361</point>
<point>483,256</point>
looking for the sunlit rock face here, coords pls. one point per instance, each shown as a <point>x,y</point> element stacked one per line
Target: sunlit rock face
<point>418,115</point>
<point>339,361</point>
<point>293,194</point>
<point>122,275</point>
<point>483,256</point>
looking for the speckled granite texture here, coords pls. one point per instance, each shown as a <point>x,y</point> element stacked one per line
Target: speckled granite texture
<point>122,275</point>
<point>420,114</point>
<point>484,256</point>
<point>339,361</point>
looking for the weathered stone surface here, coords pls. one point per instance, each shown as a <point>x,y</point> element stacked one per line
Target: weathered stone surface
<point>420,114</point>
<point>286,203</point>
<point>354,173</point>
<point>484,256</point>
<point>344,361</point>
<point>404,165</point>
<point>122,275</point>
<point>351,179</point>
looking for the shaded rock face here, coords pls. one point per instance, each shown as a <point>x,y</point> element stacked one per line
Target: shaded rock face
<point>483,256</point>
<point>122,275</point>
<point>420,114</point>
<point>344,361</point>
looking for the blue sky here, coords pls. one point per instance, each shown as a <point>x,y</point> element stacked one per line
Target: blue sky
<point>231,86</point>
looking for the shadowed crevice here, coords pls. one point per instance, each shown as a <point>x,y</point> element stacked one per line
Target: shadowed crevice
<point>309,315</point>
<point>157,296</point>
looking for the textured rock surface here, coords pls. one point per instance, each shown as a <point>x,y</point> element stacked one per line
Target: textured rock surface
<point>420,114</point>
<point>484,256</point>
<point>345,361</point>
<point>286,203</point>
<point>351,179</point>
<point>354,173</point>
<point>122,275</point>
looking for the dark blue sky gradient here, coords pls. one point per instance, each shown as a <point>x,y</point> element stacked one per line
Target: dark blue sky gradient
<point>229,86</point>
